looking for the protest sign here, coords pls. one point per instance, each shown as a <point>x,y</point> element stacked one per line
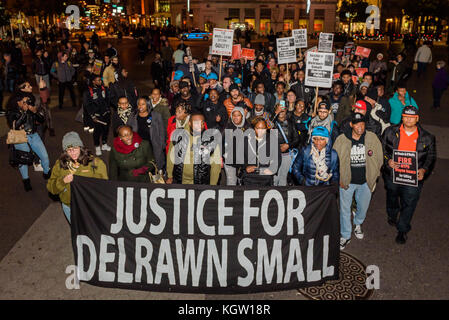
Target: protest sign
<point>236,52</point>
<point>361,51</point>
<point>319,69</point>
<point>249,54</point>
<point>286,50</point>
<point>355,79</point>
<point>201,66</point>
<point>336,76</point>
<point>96,69</point>
<point>222,41</point>
<point>325,42</point>
<point>361,71</point>
<point>300,36</point>
<point>407,173</point>
<point>203,239</point>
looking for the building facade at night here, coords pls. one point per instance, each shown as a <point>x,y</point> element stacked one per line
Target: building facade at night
<point>259,15</point>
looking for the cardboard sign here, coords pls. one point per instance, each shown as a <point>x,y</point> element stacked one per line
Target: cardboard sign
<point>361,51</point>
<point>189,55</point>
<point>236,52</point>
<point>319,69</point>
<point>361,71</point>
<point>249,54</point>
<point>300,36</point>
<point>222,41</point>
<point>96,69</point>
<point>325,42</point>
<point>286,50</point>
<point>407,173</point>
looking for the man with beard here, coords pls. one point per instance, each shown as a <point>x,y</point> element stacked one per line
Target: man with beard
<point>213,110</point>
<point>226,83</point>
<point>185,96</point>
<point>111,73</point>
<point>270,100</point>
<point>237,100</point>
<point>191,159</point>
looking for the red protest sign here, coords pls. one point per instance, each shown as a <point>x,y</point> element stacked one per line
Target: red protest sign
<point>336,76</point>
<point>361,51</point>
<point>355,79</point>
<point>360,71</point>
<point>249,54</point>
<point>236,51</point>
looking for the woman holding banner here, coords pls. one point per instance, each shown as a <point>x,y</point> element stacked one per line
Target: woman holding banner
<point>75,160</point>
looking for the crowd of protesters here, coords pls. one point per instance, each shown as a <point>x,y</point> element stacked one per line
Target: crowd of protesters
<point>239,122</point>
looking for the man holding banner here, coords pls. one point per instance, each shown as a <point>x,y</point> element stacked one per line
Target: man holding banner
<point>404,145</point>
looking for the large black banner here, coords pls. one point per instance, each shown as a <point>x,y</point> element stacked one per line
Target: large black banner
<point>203,239</point>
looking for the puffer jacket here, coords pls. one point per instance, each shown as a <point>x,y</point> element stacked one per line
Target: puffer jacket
<point>304,168</point>
<point>425,146</point>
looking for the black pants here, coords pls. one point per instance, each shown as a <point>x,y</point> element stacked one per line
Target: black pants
<point>401,200</point>
<point>100,131</point>
<point>437,94</point>
<point>62,86</point>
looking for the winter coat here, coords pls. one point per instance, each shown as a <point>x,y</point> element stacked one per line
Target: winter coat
<point>109,75</point>
<point>193,163</point>
<point>425,146</point>
<point>163,108</point>
<point>64,72</point>
<point>441,80</point>
<point>301,125</point>
<point>211,111</point>
<point>96,103</point>
<point>27,120</point>
<point>123,88</point>
<point>57,186</point>
<point>373,156</point>
<point>121,165</point>
<point>116,121</point>
<point>270,101</point>
<point>304,168</point>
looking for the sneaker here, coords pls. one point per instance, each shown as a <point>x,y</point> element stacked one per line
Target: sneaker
<point>91,130</point>
<point>2,113</point>
<point>343,243</point>
<point>98,151</point>
<point>38,167</point>
<point>105,147</point>
<point>358,232</point>
<point>86,129</point>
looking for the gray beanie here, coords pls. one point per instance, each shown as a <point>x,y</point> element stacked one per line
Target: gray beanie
<point>71,139</point>
<point>260,99</point>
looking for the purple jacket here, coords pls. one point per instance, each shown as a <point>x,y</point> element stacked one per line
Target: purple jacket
<point>441,80</point>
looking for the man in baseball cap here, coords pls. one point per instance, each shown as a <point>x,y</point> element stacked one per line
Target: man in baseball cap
<point>402,199</point>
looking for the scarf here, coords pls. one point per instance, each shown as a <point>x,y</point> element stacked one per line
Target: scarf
<point>124,114</point>
<point>319,158</point>
<point>121,147</point>
<point>180,125</point>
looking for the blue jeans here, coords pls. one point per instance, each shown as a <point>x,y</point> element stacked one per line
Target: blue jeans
<point>402,200</point>
<point>362,198</point>
<point>38,147</point>
<point>66,210</point>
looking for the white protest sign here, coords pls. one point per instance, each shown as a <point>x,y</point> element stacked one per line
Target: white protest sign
<point>222,42</point>
<point>325,42</point>
<point>319,69</point>
<point>300,36</point>
<point>286,50</point>
<point>201,67</point>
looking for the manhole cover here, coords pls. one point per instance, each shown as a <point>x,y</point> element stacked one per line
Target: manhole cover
<point>350,286</point>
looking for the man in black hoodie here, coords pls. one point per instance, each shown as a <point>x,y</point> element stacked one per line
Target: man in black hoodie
<point>214,112</point>
<point>123,87</point>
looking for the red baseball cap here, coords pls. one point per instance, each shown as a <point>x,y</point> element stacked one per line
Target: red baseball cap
<point>360,104</point>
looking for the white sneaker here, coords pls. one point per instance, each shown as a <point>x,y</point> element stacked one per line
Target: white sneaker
<point>91,130</point>
<point>38,167</point>
<point>358,231</point>
<point>105,147</point>
<point>98,151</point>
<point>343,243</point>
<point>86,129</point>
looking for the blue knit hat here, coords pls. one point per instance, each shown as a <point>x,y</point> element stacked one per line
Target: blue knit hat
<point>178,75</point>
<point>212,76</point>
<point>237,81</point>
<point>320,132</point>
<point>203,75</point>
